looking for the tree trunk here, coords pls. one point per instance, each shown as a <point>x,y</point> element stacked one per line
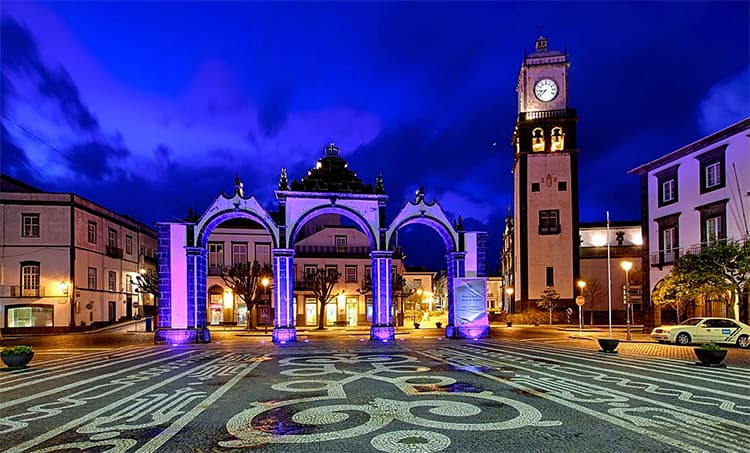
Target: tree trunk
<point>250,320</point>
<point>322,317</point>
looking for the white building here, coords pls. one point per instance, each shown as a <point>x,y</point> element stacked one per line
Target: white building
<point>692,196</point>
<point>67,262</point>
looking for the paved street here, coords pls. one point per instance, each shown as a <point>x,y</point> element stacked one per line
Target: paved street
<point>522,390</point>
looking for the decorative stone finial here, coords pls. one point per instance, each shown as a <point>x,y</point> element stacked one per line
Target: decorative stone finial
<point>419,195</point>
<point>283,181</point>
<point>238,186</point>
<point>460,224</point>
<point>332,150</point>
<point>379,184</point>
<point>541,44</point>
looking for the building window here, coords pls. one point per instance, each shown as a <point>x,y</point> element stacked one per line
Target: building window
<point>239,254</point>
<point>30,278</point>
<point>535,187</point>
<point>331,269</point>
<point>310,271</point>
<point>92,278</point>
<point>142,250</point>
<point>351,274</point>
<point>92,232</point>
<point>550,276</point>
<point>712,169</point>
<point>36,315</point>
<point>562,186</point>
<point>30,225</point>
<point>112,238</point>
<point>215,257</point>
<point>667,183</point>
<point>263,253</point>
<point>713,222</point>
<point>537,139</point>
<point>129,244</point>
<point>417,283</point>
<point>669,240</point>
<point>368,272</point>
<point>112,281</point>
<point>549,221</point>
<point>340,244</point>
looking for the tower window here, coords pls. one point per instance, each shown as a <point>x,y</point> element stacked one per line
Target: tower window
<point>562,186</point>
<point>549,221</point>
<point>535,187</point>
<point>558,139</point>
<point>550,276</point>
<point>537,139</point>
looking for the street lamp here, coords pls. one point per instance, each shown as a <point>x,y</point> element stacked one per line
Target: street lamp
<point>509,292</point>
<point>580,300</point>
<point>416,304</point>
<point>626,266</point>
<point>265,282</point>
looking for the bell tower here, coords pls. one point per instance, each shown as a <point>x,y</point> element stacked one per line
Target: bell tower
<point>545,179</point>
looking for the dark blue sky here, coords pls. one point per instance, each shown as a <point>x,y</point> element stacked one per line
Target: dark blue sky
<point>151,108</point>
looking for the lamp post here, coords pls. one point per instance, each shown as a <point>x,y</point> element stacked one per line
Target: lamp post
<point>626,266</point>
<point>580,300</point>
<point>509,292</point>
<point>416,304</point>
<point>265,282</point>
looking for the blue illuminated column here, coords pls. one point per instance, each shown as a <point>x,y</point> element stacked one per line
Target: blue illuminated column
<point>196,277</point>
<point>456,269</point>
<point>164,317</point>
<point>382,297</point>
<point>283,287</point>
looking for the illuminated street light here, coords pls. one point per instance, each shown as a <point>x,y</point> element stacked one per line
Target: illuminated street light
<point>580,300</point>
<point>626,266</point>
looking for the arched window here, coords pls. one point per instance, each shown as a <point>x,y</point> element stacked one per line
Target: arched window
<point>537,139</point>
<point>558,139</point>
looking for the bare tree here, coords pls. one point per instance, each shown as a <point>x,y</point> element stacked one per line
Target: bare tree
<point>244,279</point>
<point>147,282</point>
<point>321,282</point>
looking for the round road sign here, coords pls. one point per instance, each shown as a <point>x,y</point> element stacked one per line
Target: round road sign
<point>580,300</point>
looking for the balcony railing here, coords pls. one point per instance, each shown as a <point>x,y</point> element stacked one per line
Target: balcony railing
<point>18,291</point>
<point>114,252</point>
<point>149,259</point>
<point>331,250</point>
<point>215,270</point>
<point>545,114</point>
<point>664,257</point>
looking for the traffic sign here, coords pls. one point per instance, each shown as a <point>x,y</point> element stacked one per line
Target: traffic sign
<point>580,300</point>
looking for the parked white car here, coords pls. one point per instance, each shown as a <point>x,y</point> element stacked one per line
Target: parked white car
<point>703,330</point>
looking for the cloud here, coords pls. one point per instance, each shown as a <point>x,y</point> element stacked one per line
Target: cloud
<point>95,160</point>
<point>727,102</point>
<point>21,54</point>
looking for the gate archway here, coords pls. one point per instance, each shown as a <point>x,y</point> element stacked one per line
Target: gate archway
<point>329,188</point>
<point>467,294</point>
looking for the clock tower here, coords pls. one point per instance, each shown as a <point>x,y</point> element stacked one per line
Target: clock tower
<point>545,180</point>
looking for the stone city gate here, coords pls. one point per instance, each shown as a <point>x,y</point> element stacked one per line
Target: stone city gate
<point>329,188</point>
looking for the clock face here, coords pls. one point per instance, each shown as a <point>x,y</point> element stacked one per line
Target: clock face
<point>545,90</point>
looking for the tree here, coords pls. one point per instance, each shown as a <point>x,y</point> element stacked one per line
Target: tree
<point>321,282</point>
<point>676,290</point>
<point>548,300</point>
<point>147,282</point>
<point>595,293</point>
<point>729,261</point>
<point>244,279</point>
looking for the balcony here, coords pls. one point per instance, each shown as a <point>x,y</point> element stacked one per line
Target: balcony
<point>547,114</point>
<point>149,259</point>
<point>114,252</point>
<point>664,257</point>
<point>214,270</point>
<point>18,291</point>
<point>331,251</point>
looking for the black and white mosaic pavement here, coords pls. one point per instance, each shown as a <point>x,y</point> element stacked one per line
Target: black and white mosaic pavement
<point>407,396</point>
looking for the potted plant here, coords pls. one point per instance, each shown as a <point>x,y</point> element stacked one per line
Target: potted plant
<point>438,324</point>
<point>710,354</point>
<point>608,345</point>
<point>416,325</point>
<point>17,356</point>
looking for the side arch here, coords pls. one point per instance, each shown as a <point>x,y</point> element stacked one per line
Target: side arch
<point>429,214</point>
<point>237,206</point>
